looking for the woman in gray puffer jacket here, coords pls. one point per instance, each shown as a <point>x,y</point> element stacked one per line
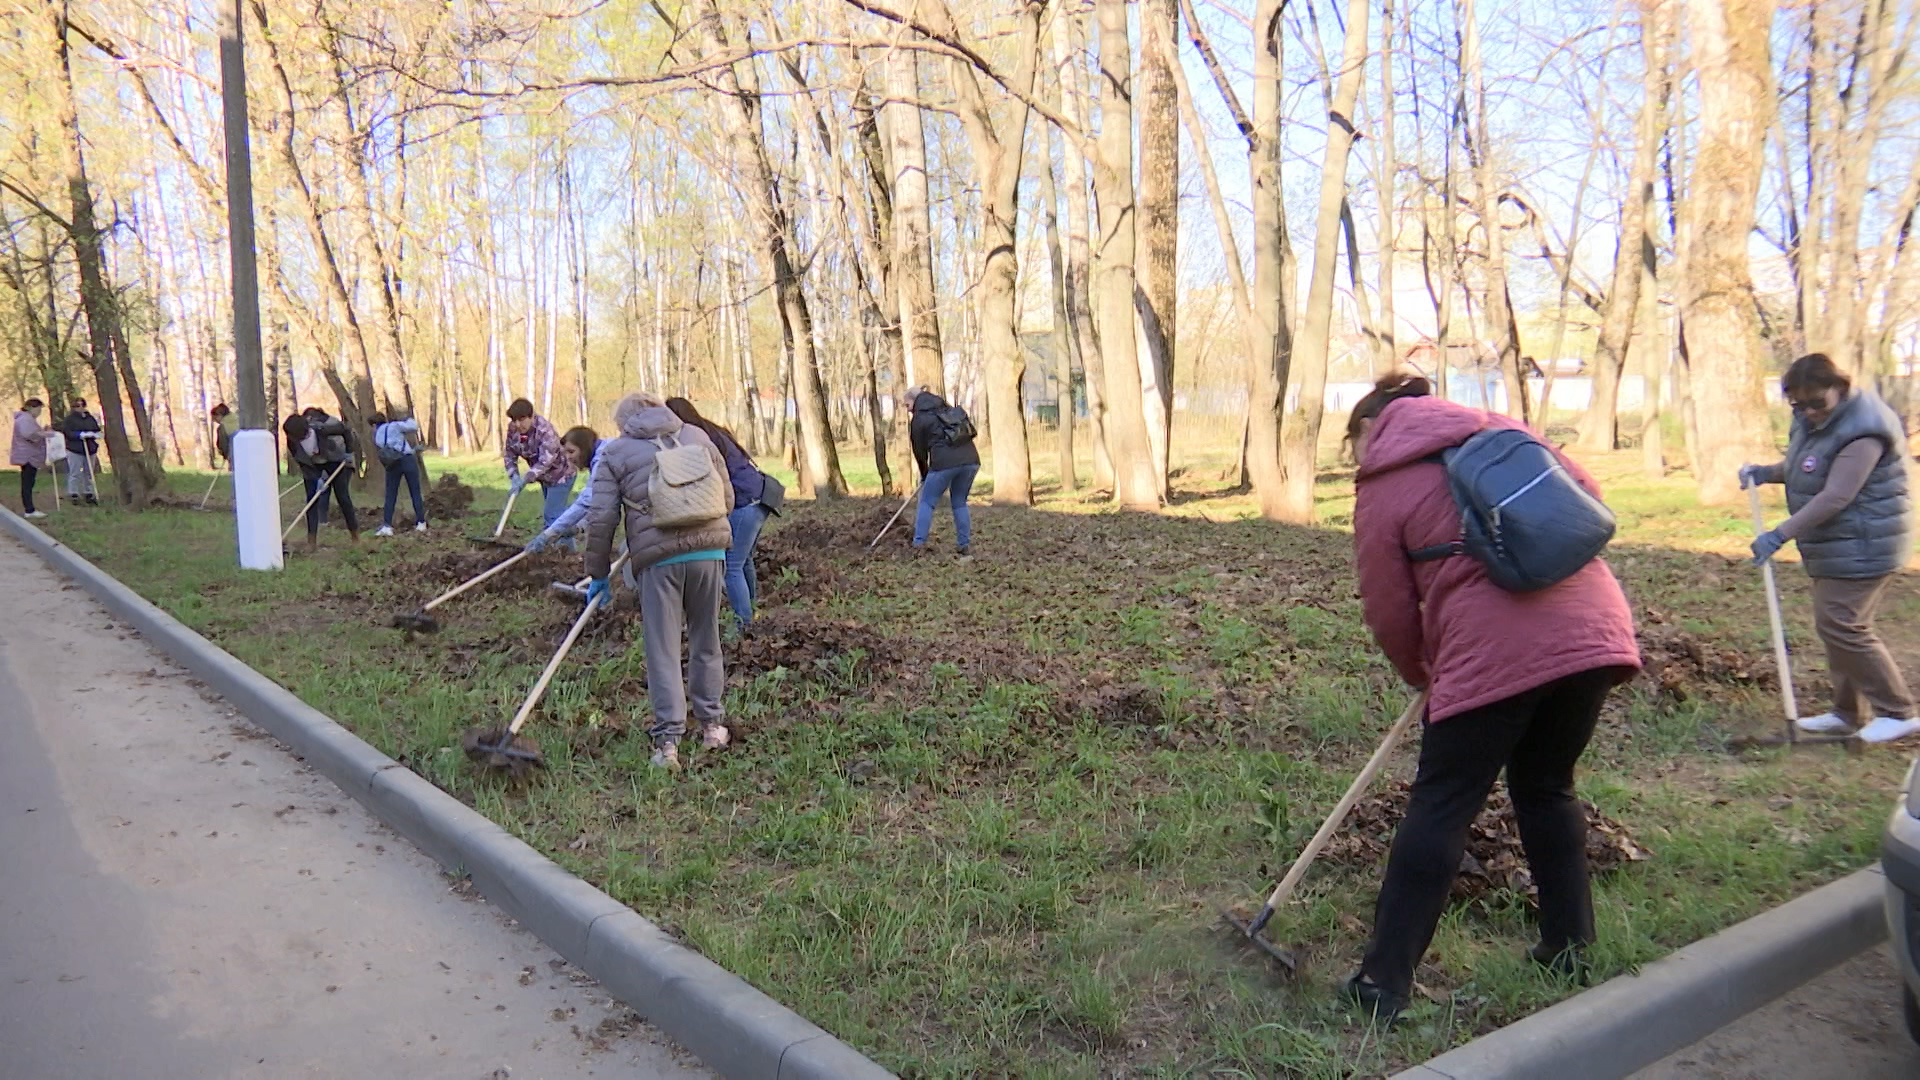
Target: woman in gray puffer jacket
<point>680,573</point>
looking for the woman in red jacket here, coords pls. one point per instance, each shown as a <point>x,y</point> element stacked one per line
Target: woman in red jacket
<point>1514,681</point>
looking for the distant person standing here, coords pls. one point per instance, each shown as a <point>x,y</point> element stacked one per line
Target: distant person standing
<point>393,442</point>
<point>82,432</point>
<point>1852,516</point>
<point>225,425</point>
<point>532,439</point>
<point>942,437</point>
<point>29,451</point>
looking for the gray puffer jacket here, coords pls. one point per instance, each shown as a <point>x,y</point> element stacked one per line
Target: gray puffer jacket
<point>620,491</point>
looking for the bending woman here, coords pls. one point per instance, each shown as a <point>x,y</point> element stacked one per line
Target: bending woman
<point>749,515</point>
<point>1846,478</point>
<point>1515,682</point>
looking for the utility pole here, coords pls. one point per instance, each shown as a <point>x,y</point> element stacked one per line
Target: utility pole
<point>256,502</point>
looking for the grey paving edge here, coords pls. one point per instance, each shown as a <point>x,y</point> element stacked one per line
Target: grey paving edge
<point>735,1029</point>
<point>1630,1022</point>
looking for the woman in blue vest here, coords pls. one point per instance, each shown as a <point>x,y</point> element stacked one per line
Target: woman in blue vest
<point>1846,478</point>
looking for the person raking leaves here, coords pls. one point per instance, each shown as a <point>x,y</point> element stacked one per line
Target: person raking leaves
<point>324,448</point>
<point>532,439</point>
<point>82,431</point>
<point>666,483</point>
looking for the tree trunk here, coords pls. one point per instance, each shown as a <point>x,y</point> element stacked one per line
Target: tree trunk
<point>1634,256</point>
<point>1731,55</point>
<point>739,107</point>
<point>1159,210</point>
<point>1387,164</point>
<point>1135,485</point>
<point>1500,318</point>
<point>96,293</point>
<point>1271,365</point>
<point>912,233</point>
<point>1300,436</point>
<point>1073,177</point>
<point>1062,336</point>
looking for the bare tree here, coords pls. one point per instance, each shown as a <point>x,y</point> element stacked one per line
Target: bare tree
<point>1159,223</point>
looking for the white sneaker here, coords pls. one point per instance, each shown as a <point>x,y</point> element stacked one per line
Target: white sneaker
<point>714,736</point>
<point>1825,724</point>
<point>420,527</point>
<point>1887,729</point>
<point>384,530</point>
<point>36,514</point>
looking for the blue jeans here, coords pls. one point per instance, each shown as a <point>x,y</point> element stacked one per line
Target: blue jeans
<point>743,585</point>
<point>956,484</point>
<point>554,499</point>
<point>407,468</point>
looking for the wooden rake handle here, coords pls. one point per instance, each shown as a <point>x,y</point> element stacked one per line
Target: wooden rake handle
<point>911,495</point>
<point>553,665</point>
<point>325,486</point>
<point>1345,805</point>
<point>507,510</point>
<point>484,575</point>
<point>1780,658</point>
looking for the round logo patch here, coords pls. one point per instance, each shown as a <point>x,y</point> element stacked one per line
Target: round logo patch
<point>1810,464</point>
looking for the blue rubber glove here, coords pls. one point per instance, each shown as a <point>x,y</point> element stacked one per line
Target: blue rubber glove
<point>515,481</point>
<point>1752,476</point>
<point>538,543</point>
<point>599,592</point>
<point>1766,544</point>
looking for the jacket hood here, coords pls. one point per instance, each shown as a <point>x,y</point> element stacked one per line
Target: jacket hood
<point>928,401</point>
<point>1410,429</point>
<point>649,422</point>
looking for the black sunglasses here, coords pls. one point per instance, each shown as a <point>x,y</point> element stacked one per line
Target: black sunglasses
<point>1807,406</point>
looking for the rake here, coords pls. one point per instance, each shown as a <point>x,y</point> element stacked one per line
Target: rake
<point>318,494</point>
<point>1782,659</point>
<point>419,621</point>
<point>501,527</point>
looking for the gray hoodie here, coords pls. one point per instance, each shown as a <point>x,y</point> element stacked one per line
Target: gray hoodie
<point>619,487</point>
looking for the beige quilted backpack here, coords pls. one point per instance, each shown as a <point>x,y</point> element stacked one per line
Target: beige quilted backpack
<point>685,488</point>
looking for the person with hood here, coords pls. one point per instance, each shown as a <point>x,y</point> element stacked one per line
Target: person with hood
<point>582,446</point>
<point>393,441</point>
<point>532,438</point>
<point>679,572</point>
<point>324,450</point>
<point>29,451</point>
<point>754,495</point>
<point>942,438</point>
<point>1852,516</point>
<point>1515,681</point>
<point>82,432</point>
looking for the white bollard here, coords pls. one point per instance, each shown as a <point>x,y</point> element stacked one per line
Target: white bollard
<point>256,503</point>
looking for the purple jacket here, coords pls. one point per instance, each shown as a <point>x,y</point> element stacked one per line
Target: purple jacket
<point>29,442</point>
<point>747,480</point>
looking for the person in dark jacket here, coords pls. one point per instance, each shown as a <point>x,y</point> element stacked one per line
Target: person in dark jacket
<point>225,426</point>
<point>1852,517</point>
<point>947,467</point>
<point>324,450</point>
<point>82,431</point>
<point>749,514</point>
<point>1513,681</point>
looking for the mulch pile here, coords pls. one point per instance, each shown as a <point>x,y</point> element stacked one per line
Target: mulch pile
<point>792,561</point>
<point>1494,859</point>
<point>1684,667</point>
<point>531,574</point>
<point>448,499</point>
<point>808,644</point>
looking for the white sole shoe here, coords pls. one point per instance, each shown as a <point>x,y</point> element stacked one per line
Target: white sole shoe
<point>1824,724</point>
<point>384,531</point>
<point>1887,729</point>
<point>420,528</point>
<point>715,736</point>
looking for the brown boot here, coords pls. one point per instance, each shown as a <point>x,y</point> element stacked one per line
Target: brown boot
<point>313,543</point>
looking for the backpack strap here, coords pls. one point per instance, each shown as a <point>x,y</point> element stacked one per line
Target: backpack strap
<point>1438,551</point>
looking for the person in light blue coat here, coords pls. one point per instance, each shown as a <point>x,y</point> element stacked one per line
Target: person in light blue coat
<point>582,445</point>
<point>393,444</point>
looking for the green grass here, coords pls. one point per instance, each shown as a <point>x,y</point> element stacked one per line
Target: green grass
<point>991,839</point>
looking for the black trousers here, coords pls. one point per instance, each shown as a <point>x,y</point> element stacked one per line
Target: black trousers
<point>1537,737</point>
<point>27,475</point>
<point>317,513</point>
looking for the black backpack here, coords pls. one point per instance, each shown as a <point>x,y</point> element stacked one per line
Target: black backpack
<point>1522,515</point>
<point>953,425</point>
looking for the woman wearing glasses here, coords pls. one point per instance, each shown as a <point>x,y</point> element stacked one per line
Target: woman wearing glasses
<point>1846,478</point>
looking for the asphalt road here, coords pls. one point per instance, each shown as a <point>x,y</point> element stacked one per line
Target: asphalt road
<point>183,899</point>
<point>1845,1025</point>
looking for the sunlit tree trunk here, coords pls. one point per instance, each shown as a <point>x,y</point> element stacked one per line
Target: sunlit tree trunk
<point>1159,210</point>
<point>1079,254</point>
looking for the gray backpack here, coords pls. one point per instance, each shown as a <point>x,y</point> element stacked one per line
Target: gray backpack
<point>685,488</point>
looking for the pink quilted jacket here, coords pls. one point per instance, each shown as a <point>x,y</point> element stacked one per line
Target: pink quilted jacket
<point>1443,623</point>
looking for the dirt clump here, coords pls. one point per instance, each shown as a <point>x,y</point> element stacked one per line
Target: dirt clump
<point>793,562</point>
<point>811,646</point>
<point>448,499</point>
<point>535,573</point>
<point>1494,859</point>
<point>1682,666</point>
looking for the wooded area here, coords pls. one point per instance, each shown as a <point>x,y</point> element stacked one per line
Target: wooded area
<point>792,210</point>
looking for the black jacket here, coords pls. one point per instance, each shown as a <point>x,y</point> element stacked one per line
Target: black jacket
<point>336,443</point>
<point>930,446</point>
<point>73,426</point>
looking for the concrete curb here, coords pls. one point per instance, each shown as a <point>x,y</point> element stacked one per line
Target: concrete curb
<point>735,1029</point>
<point>1633,1021</point>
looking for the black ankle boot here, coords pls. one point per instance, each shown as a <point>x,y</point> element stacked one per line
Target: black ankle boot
<point>1569,962</point>
<point>1383,1004</point>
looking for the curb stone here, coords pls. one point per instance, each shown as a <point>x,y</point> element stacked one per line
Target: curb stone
<point>1632,1021</point>
<point>735,1029</point>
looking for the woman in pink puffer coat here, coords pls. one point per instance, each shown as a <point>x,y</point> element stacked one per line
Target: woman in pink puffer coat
<point>29,451</point>
<point>1514,681</point>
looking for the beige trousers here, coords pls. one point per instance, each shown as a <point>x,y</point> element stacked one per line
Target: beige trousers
<point>1857,660</point>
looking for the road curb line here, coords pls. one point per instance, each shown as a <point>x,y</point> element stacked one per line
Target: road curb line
<point>1632,1021</point>
<point>736,1030</point>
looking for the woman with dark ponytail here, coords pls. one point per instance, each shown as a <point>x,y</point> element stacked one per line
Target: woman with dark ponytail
<point>1515,681</point>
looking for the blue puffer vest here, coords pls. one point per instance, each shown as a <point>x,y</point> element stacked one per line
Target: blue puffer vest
<point>1872,536</point>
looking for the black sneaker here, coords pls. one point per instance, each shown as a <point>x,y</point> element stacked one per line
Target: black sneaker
<point>1384,1005</point>
<point>965,551</point>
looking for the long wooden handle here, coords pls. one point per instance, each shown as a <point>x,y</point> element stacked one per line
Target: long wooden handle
<point>506,510</point>
<point>325,486</point>
<point>553,665</point>
<point>1345,806</point>
<point>1780,658</point>
<point>897,513</point>
<point>472,581</point>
